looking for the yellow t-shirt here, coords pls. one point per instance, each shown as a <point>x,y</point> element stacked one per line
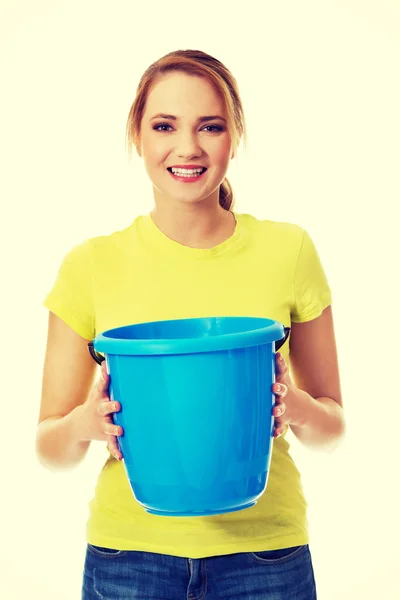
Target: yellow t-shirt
<point>265,269</point>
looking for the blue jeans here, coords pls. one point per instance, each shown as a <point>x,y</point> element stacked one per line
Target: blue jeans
<point>285,574</point>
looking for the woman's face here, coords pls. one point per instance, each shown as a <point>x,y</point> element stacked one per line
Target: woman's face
<point>185,140</point>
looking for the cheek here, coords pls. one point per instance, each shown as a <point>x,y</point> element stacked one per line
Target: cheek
<point>221,153</point>
<point>153,149</point>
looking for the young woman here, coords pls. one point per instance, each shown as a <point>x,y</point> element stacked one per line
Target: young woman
<point>192,256</point>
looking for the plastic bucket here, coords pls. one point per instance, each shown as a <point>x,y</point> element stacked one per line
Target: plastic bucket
<point>196,410</point>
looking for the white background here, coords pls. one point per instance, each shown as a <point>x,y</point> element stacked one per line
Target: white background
<point>320,87</point>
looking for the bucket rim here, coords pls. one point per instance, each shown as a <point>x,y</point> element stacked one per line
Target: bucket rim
<point>267,332</point>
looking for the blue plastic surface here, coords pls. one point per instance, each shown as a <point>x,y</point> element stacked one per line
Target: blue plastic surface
<point>196,409</point>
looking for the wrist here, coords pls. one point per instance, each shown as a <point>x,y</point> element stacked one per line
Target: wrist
<point>321,424</point>
<point>304,405</point>
<point>77,421</point>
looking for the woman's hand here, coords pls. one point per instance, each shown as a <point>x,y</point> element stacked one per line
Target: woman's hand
<point>289,411</point>
<point>95,415</point>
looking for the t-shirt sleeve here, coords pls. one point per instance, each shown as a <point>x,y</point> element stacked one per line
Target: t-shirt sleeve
<point>312,293</point>
<point>71,296</point>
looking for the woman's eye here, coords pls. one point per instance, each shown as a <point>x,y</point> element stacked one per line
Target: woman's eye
<point>217,128</point>
<point>156,127</point>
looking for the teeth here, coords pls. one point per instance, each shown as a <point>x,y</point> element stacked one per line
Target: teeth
<point>190,172</point>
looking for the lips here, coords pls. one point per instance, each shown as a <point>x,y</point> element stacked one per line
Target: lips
<point>187,167</point>
<point>187,178</point>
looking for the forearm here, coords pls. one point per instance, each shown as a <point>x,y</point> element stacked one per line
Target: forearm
<point>58,443</point>
<point>323,425</point>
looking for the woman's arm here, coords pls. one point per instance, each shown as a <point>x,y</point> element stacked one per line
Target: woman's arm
<point>67,378</point>
<point>315,370</point>
<point>312,403</point>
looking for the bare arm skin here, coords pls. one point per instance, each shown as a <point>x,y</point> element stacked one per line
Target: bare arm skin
<point>68,375</point>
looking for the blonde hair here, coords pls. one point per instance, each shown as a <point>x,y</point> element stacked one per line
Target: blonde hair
<point>197,63</point>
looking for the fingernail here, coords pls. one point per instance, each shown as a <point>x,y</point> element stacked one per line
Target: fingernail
<point>278,412</point>
<point>278,387</point>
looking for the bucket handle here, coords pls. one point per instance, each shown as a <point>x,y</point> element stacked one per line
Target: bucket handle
<point>279,343</point>
<point>95,355</point>
<point>99,358</point>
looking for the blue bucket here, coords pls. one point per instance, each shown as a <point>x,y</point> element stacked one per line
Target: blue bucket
<point>196,410</point>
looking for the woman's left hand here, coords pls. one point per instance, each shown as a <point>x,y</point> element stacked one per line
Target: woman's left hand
<point>290,410</point>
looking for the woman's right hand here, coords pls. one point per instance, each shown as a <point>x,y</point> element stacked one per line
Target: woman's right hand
<point>95,415</point>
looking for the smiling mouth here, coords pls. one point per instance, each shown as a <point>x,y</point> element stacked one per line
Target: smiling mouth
<point>180,173</point>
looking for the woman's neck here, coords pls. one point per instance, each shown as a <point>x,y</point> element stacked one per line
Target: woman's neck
<point>195,226</point>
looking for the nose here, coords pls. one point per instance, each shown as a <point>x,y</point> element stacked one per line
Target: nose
<point>188,146</point>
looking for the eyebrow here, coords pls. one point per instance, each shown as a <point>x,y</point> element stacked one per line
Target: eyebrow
<point>200,119</point>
